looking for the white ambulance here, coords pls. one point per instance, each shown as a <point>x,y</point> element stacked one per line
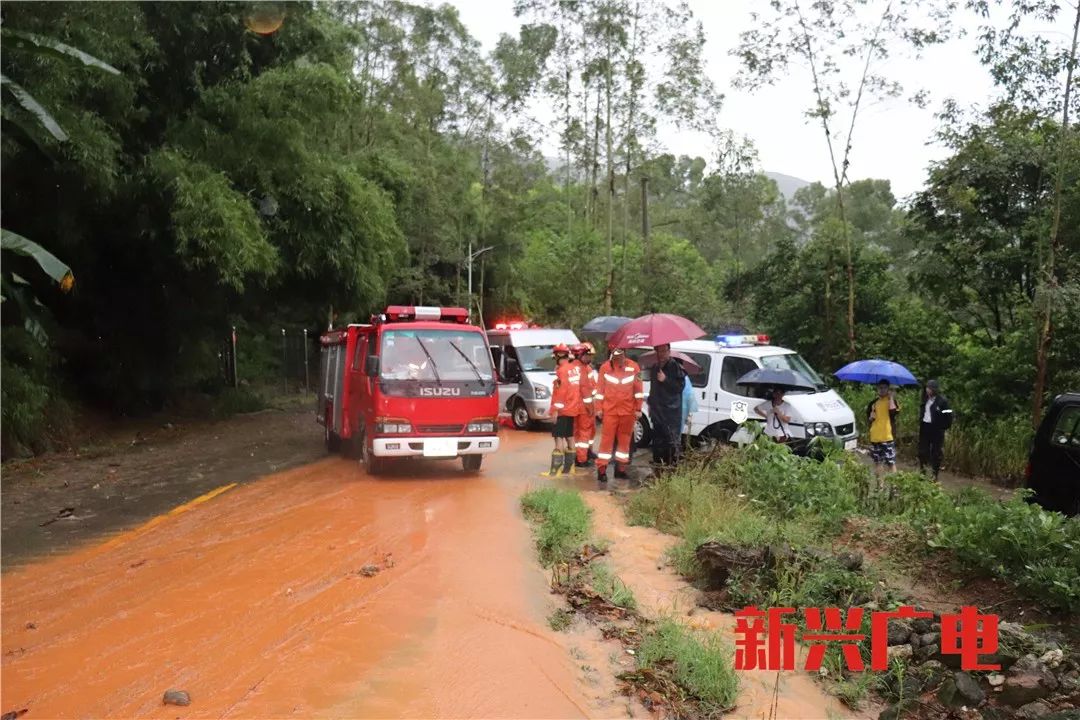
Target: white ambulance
<point>722,404</point>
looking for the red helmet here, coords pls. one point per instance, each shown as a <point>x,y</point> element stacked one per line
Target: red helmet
<point>578,350</point>
<point>560,349</point>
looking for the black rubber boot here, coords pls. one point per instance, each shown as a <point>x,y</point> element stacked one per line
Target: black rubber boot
<point>621,474</point>
<point>556,462</point>
<point>601,476</point>
<point>568,462</point>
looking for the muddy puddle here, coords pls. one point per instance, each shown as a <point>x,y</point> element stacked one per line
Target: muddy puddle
<point>253,603</point>
<point>637,555</point>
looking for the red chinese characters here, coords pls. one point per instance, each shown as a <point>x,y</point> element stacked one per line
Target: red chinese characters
<point>765,640</point>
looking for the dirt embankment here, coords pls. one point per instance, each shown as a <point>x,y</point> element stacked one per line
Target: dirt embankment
<point>52,503</point>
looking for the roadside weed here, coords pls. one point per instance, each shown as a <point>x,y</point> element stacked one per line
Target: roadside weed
<point>562,523</point>
<point>700,662</point>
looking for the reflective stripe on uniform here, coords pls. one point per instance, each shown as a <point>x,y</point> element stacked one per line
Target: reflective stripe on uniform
<point>604,456</point>
<point>611,378</point>
<point>581,445</point>
<point>588,399</point>
<point>622,455</point>
<point>599,396</point>
<point>560,405</point>
<point>639,395</point>
<point>628,379</point>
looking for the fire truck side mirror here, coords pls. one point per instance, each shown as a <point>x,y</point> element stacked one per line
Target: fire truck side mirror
<point>371,367</point>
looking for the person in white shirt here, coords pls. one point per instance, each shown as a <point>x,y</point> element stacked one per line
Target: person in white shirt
<point>777,414</point>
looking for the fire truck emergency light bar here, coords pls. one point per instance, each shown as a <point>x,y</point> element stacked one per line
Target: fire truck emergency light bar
<point>741,340</point>
<point>511,326</point>
<point>422,312</point>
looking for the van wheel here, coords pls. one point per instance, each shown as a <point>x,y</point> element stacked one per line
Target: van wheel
<point>642,433</point>
<point>333,442</point>
<point>472,463</point>
<point>713,436</point>
<point>519,415</point>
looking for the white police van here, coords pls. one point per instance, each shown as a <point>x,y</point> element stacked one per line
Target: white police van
<point>721,403</point>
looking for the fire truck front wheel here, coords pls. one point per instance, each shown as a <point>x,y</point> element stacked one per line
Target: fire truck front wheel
<point>471,463</point>
<point>333,442</point>
<point>372,465</point>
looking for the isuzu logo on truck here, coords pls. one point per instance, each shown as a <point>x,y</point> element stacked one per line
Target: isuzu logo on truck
<point>440,391</point>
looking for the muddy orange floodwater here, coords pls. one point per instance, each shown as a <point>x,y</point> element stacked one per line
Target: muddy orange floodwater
<point>252,602</point>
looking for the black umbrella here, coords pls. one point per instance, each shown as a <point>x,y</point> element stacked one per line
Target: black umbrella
<point>604,325</point>
<point>776,378</point>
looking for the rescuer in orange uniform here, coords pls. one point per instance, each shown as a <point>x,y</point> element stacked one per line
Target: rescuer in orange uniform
<point>566,405</point>
<point>585,423</point>
<point>620,395</point>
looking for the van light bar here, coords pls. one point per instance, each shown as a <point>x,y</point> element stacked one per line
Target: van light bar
<point>740,340</point>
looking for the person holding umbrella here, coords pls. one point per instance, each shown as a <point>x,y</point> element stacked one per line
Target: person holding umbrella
<point>881,415</point>
<point>665,405</point>
<point>777,414</point>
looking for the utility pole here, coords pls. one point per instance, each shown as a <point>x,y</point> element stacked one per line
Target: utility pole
<point>645,210</point>
<point>645,245</point>
<point>284,362</point>
<point>306,377</point>
<point>472,257</point>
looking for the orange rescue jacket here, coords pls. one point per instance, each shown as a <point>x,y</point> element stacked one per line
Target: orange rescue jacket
<point>566,395</point>
<point>619,392</point>
<point>587,385</point>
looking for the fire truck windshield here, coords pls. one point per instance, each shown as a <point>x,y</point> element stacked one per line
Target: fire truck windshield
<point>435,356</point>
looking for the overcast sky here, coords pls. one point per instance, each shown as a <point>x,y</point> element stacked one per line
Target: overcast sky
<point>891,139</point>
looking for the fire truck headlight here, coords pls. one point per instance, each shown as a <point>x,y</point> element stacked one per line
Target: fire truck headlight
<point>393,427</point>
<point>541,392</point>
<point>481,426</point>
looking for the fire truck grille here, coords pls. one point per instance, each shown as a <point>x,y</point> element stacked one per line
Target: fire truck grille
<point>447,429</point>
<point>843,430</point>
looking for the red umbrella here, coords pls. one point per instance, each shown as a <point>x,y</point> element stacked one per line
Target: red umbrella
<point>649,359</point>
<point>653,330</point>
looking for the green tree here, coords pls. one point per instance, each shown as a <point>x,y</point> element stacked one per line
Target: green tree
<point>823,35</point>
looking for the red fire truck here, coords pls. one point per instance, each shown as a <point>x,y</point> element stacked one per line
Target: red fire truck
<point>415,382</point>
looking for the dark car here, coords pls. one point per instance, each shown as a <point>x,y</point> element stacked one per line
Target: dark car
<point>1053,470</point>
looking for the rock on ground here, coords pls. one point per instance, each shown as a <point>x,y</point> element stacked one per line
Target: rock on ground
<point>177,697</point>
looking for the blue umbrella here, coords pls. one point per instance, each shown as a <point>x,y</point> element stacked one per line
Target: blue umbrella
<point>874,371</point>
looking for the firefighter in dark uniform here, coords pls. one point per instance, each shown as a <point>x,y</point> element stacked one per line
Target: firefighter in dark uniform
<point>665,406</point>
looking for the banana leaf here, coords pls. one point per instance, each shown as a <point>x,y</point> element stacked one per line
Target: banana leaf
<point>49,263</point>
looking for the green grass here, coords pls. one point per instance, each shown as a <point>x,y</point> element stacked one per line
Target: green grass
<point>699,662</point>
<point>562,523</point>
<point>764,495</point>
<point>560,619</point>
<point>610,587</point>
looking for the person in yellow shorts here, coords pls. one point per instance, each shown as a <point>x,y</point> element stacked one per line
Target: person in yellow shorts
<point>881,415</point>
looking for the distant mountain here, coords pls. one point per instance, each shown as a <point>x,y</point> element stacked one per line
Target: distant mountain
<point>788,184</point>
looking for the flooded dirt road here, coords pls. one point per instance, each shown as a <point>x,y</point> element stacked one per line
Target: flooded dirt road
<point>251,601</point>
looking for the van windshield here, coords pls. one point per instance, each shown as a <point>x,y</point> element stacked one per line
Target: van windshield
<point>794,361</point>
<point>435,356</point>
<point>536,358</point>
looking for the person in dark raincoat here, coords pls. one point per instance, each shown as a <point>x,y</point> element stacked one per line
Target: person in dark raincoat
<point>665,406</point>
